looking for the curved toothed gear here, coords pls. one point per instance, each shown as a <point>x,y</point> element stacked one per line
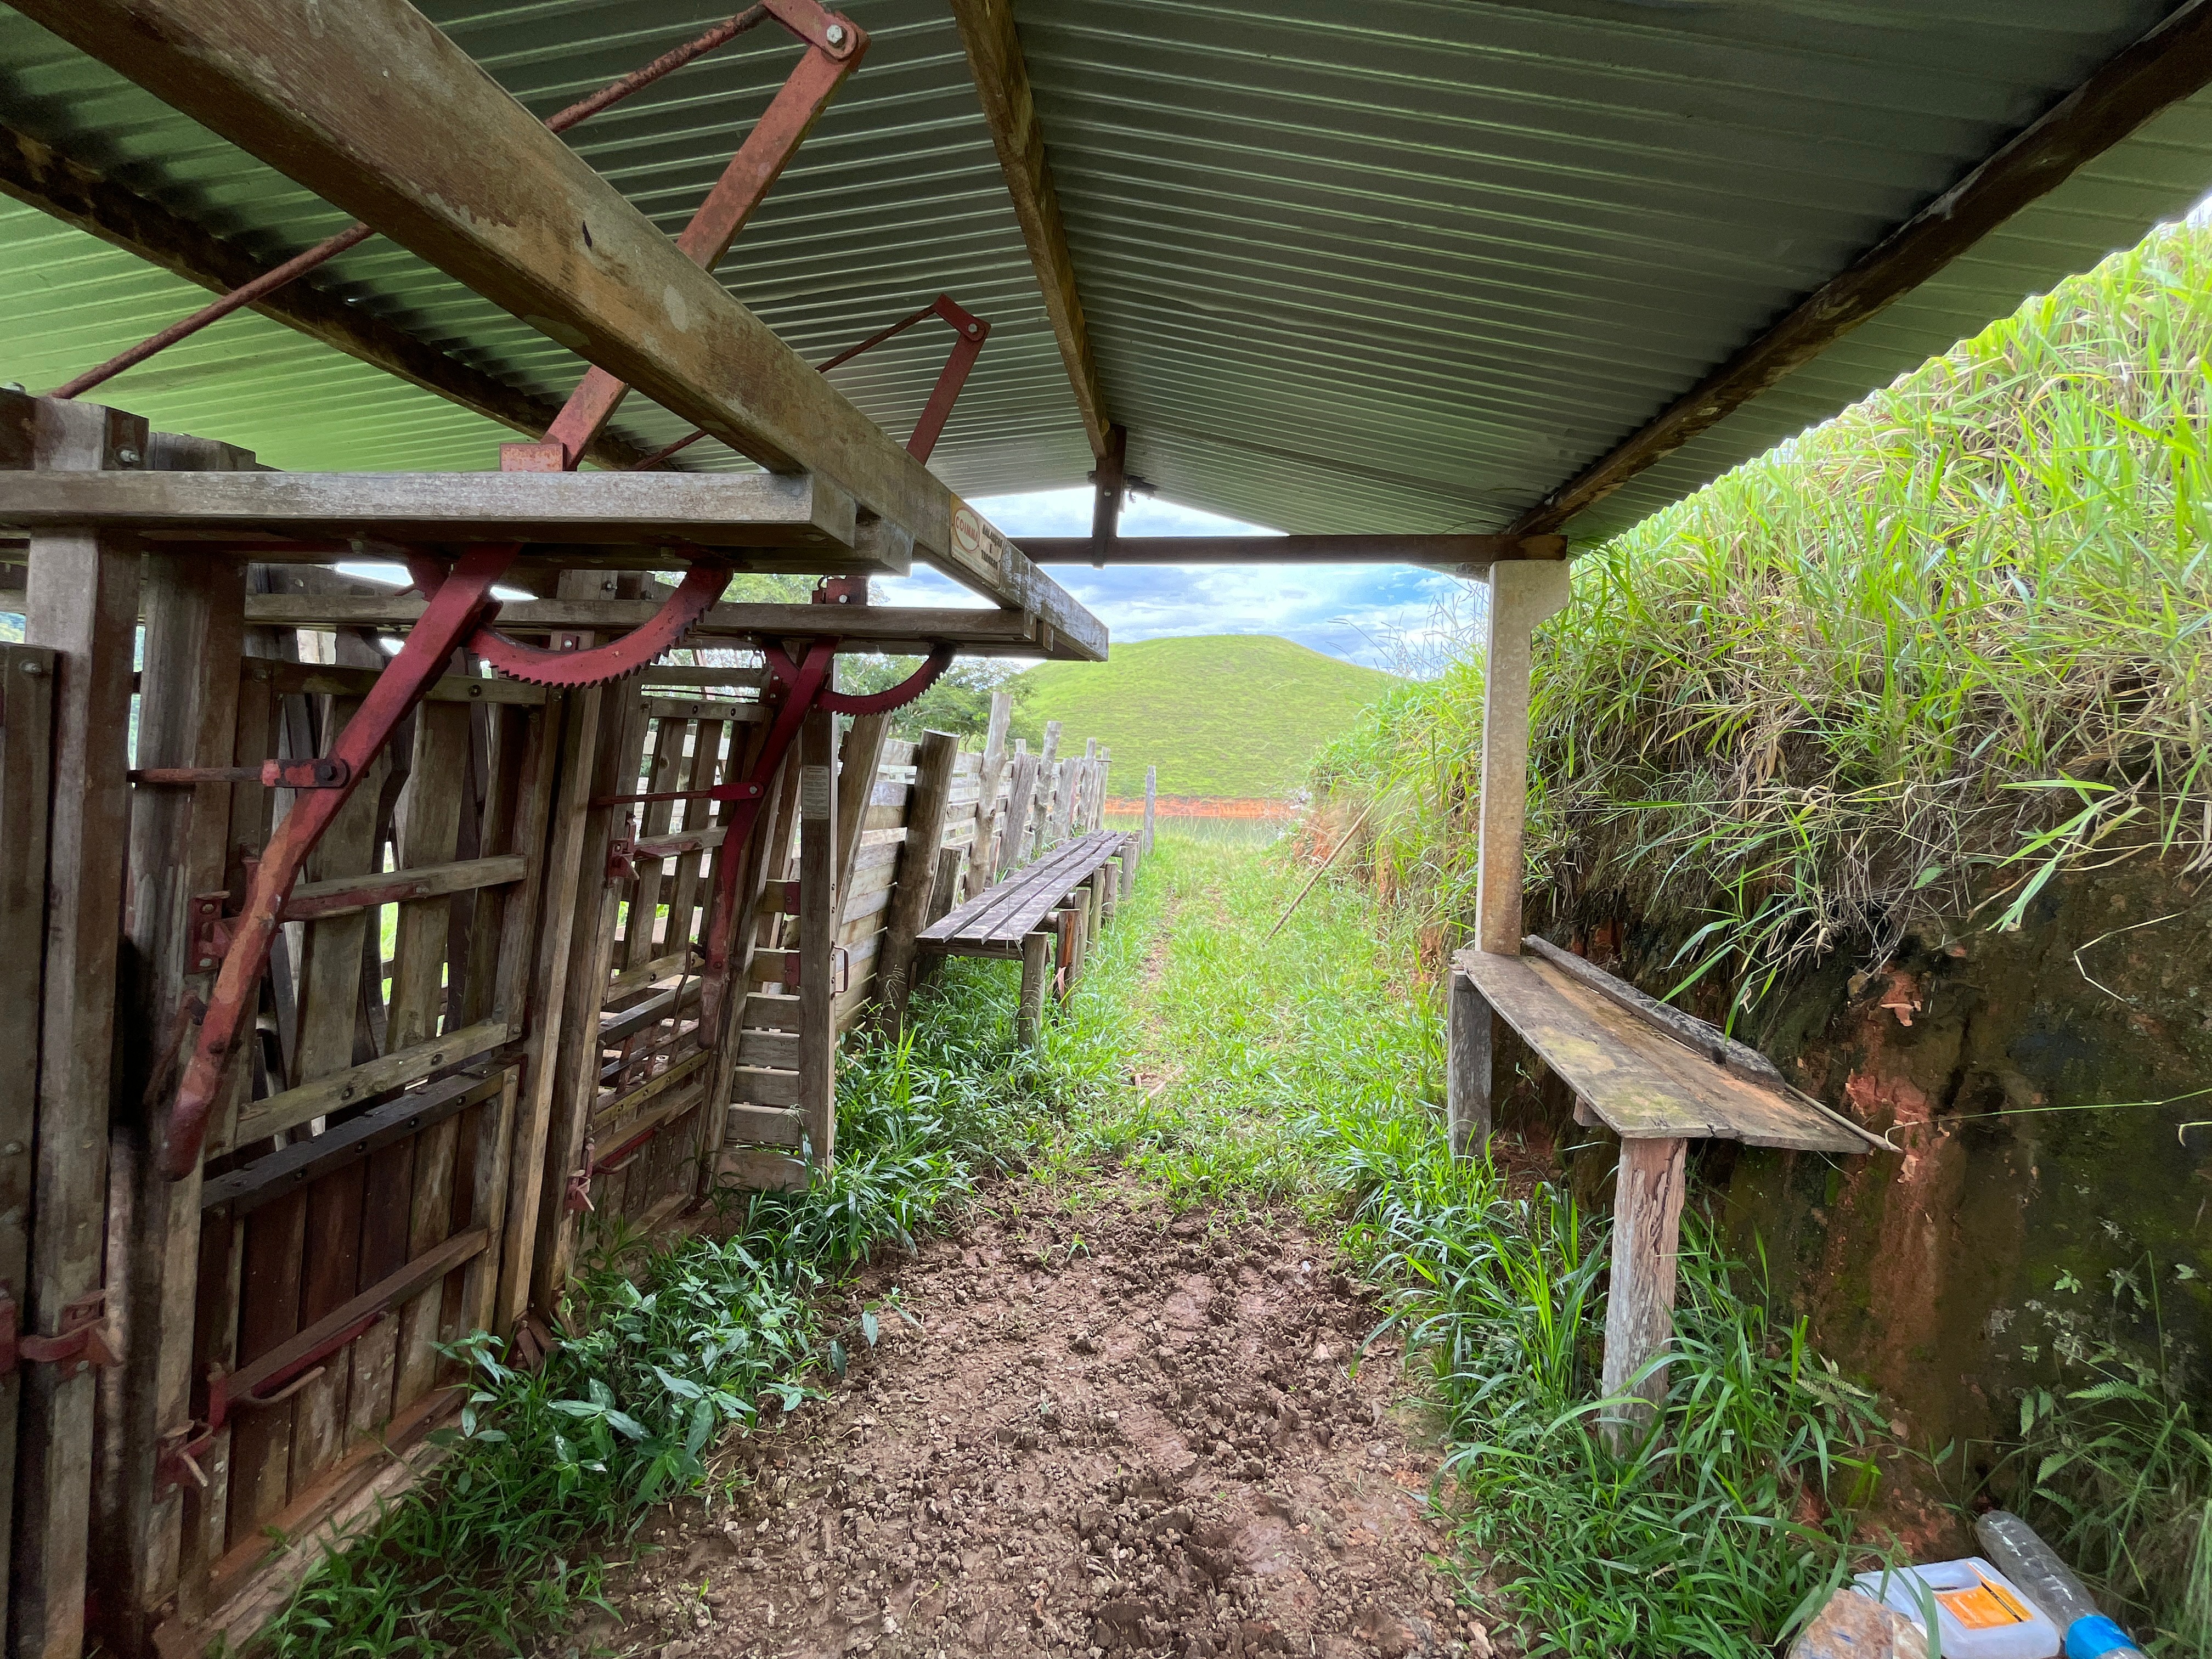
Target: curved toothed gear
<point>599,665</point>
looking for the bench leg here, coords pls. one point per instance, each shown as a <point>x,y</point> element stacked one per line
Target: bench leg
<point>1480,1054</point>
<point>1110,892</point>
<point>1064,953</point>
<point>1028,1014</point>
<point>1639,1312</point>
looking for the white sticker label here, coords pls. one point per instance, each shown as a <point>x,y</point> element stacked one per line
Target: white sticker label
<point>814,792</point>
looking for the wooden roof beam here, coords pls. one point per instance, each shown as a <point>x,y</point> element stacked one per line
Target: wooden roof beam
<point>384,117</point>
<point>37,174</point>
<point>1002,82</point>
<point>2169,64</point>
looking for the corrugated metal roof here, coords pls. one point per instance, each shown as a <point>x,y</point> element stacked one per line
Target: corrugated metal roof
<point>1406,265</point>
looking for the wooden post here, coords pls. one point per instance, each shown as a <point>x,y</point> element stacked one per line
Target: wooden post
<point>1029,1013</point>
<point>1481,1055</point>
<point>859,759</point>
<point>1152,795</point>
<point>1128,862</point>
<point>1639,1312</point>
<point>917,871</point>
<point>1063,952</point>
<point>1110,892</point>
<point>819,903</point>
<point>1014,843</point>
<point>943,894</point>
<point>983,857</point>
<point>27,717</point>
<point>81,604</point>
<point>1522,592</point>
<point>1047,782</point>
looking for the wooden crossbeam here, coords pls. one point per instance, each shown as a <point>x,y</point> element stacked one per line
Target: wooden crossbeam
<point>2169,64</point>
<point>893,628</point>
<point>743,509</point>
<point>1455,553</point>
<point>1002,83</point>
<point>34,172</point>
<point>373,108</point>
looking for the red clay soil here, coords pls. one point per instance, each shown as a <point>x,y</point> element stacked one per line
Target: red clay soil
<point>1111,1433</point>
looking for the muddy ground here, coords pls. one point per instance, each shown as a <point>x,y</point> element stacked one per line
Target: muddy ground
<point>1106,1432</point>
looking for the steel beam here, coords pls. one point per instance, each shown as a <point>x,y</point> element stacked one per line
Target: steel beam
<point>2169,64</point>
<point>1454,553</point>
<point>380,114</point>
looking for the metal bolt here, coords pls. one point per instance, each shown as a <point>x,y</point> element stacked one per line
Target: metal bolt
<point>33,668</point>
<point>11,1149</point>
<point>127,457</point>
<point>835,34</point>
<point>974,327</point>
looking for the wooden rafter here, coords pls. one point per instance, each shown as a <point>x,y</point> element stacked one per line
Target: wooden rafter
<point>1002,82</point>
<point>2169,64</point>
<point>382,115</point>
<point>37,174</point>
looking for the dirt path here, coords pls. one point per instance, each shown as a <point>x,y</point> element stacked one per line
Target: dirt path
<point>1108,1433</point>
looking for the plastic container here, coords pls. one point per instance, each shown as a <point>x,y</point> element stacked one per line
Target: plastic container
<point>2051,1584</point>
<point>1980,1613</point>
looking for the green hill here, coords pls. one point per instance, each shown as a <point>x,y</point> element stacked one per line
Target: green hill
<point>1237,715</point>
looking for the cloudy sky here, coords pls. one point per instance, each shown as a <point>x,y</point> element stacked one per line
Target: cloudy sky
<point>1384,615</point>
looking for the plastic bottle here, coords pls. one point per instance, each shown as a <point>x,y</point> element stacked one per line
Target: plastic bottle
<point>2033,1564</point>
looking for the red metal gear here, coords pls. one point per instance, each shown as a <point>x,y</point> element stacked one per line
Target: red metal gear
<point>702,584</point>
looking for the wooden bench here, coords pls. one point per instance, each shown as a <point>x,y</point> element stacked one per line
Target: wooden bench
<point>1657,1078</point>
<point>1007,921</point>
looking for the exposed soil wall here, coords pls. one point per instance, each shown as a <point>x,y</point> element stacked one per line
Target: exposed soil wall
<point>2002,1068</point>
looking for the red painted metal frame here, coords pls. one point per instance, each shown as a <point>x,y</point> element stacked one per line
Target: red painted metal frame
<point>450,618</point>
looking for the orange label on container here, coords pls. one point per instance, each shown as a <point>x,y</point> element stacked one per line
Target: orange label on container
<point>1985,1607</point>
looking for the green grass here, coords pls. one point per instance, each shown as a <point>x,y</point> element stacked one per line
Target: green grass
<point>1895,674</point>
<point>1233,716</point>
<point>1307,1072</point>
<point>548,1473</point>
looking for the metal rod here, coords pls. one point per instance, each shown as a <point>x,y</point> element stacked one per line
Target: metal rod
<point>354,234</point>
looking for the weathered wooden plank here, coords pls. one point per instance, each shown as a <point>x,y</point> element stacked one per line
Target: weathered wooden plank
<point>765,1126</point>
<point>244,1190</point>
<point>26,714</point>
<point>909,906</point>
<point>338,680</point>
<point>262,1118</point>
<point>817,932</point>
<point>704,509</point>
<point>187,716</point>
<point>1028,1011</point>
<point>765,1087</point>
<point>779,1049</point>
<point>82,604</point>
<point>756,1168</point>
<point>879,627</point>
<point>990,780</point>
<point>859,757</point>
<point>1639,1304</point>
<point>1462,554</point>
<point>1642,1083</point>
<point>338,896</point>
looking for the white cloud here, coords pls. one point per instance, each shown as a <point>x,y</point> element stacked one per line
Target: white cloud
<point>1384,615</point>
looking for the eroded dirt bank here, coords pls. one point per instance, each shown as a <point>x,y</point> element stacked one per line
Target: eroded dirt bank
<point>1105,1431</point>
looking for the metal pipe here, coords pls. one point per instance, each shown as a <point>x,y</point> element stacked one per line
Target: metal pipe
<point>354,235</point>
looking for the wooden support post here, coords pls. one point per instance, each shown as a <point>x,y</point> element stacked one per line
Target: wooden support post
<point>1063,953</point>
<point>1639,1313</point>
<point>82,604</point>
<point>1021,791</point>
<point>859,759</point>
<point>990,825</point>
<point>193,606</point>
<point>819,903</point>
<point>26,716</point>
<point>1128,867</point>
<point>917,871</point>
<point>1029,1013</point>
<point>1522,594</point>
<point>1046,791</point>
<point>1152,795</point>
<point>943,894</point>
<point>1110,892</point>
<point>1482,1055</point>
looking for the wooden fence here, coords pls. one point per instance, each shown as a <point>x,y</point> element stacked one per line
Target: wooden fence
<point>480,1035</point>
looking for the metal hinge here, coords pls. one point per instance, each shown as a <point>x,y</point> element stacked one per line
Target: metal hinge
<point>79,1343</point>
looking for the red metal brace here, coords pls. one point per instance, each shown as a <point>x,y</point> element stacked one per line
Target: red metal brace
<point>460,598</point>
<point>177,1459</point>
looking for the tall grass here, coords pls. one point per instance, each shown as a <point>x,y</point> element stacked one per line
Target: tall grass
<point>671,1348</point>
<point>1901,669</point>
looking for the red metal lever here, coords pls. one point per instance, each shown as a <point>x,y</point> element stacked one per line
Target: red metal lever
<point>449,618</point>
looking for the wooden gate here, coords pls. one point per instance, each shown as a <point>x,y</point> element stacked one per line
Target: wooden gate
<point>281,1312</point>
